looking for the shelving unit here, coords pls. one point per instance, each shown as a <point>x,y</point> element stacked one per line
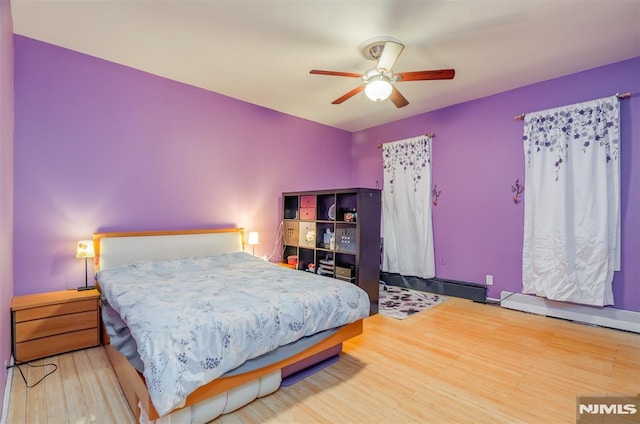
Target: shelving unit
<point>335,233</point>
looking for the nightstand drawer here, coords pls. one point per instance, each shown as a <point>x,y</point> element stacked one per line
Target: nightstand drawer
<point>53,325</point>
<point>55,310</point>
<point>54,345</point>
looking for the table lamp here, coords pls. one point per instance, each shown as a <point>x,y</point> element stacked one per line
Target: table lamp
<point>254,238</point>
<point>85,251</point>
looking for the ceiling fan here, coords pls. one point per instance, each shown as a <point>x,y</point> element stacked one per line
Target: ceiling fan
<point>379,83</point>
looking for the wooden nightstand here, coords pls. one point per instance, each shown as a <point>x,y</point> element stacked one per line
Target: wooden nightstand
<point>47,324</point>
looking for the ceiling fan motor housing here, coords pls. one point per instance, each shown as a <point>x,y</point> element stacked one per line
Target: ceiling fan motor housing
<point>375,74</point>
<point>372,48</point>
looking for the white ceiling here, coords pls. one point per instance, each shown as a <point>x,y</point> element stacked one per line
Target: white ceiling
<point>261,51</point>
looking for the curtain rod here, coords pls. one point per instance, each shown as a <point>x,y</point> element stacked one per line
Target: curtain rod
<point>620,96</point>
<point>432,135</point>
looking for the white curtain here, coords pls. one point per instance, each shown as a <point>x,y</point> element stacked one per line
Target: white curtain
<point>406,213</point>
<point>572,202</point>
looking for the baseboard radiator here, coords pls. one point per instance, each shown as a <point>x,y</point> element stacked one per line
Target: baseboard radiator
<point>463,289</point>
<point>604,317</point>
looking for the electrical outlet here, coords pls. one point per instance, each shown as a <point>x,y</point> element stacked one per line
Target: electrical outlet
<point>489,280</point>
<point>443,261</point>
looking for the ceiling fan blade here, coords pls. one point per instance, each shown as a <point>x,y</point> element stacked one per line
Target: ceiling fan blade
<point>397,98</point>
<point>439,74</point>
<point>335,73</point>
<point>390,54</point>
<point>348,95</point>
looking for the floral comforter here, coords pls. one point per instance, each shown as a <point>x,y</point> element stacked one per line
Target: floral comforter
<point>194,319</point>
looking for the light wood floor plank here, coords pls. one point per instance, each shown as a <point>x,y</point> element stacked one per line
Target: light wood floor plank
<point>56,409</point>
<point>458,362</point>
<point>36,396</point>
<point>18,405</point>
<point>89,382</point>
<point>110,392</point>
<point>74,396</point>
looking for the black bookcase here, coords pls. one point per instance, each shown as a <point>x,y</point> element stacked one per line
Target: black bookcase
<point>335,233</point>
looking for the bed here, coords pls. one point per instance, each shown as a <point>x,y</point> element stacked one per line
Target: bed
<point>232,341</point>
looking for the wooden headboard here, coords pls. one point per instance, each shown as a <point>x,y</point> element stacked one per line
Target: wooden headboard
<point>122,248</point>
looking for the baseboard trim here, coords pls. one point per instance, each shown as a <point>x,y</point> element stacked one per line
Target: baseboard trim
<point>463,289</point>
<point>619,319</point>
<point>7,393</point>
<point>493,301</point>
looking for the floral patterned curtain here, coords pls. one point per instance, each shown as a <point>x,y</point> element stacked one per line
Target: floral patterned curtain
<point>406,208</point>
<point>572,202</point>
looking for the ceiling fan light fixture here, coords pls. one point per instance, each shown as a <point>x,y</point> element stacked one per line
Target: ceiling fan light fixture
<point>378,83</point>
<point>378,89</point>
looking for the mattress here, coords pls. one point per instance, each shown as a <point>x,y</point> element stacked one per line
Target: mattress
<point>196,319</point>
<point>120,338</point>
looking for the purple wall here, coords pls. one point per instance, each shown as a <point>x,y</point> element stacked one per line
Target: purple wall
<point>103,147</point>
<point>477,157</point>
<point>6,188</point>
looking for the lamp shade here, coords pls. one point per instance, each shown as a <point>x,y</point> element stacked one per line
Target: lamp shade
<point>85,249</point>
<point>378,89</point>
<point>254,238</point>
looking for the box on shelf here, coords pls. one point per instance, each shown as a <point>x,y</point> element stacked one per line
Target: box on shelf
<point>291,233</point>
<point>308,201</point>
<point>344,272</point>
<point>346,239</point>
<point>308,213</point>
<point>307,234</point>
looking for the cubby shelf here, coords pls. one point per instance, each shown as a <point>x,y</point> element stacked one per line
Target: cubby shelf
<point>335,233</point>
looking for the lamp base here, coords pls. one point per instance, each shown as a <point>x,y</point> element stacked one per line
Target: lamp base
<point>86,288</point>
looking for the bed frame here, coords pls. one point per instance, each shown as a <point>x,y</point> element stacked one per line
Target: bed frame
<point>134,246</point>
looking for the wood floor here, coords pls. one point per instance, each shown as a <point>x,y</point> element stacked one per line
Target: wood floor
<point>459,362</point>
